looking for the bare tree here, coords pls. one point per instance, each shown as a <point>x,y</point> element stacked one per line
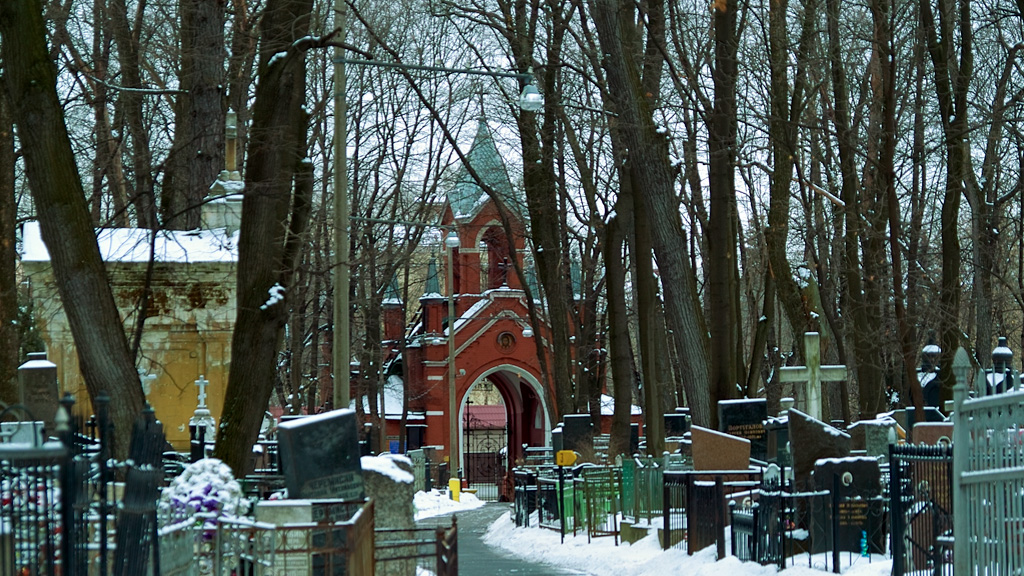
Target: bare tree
<point>64,217</point>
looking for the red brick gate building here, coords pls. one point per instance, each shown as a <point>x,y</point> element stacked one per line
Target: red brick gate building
<point>495,345</point>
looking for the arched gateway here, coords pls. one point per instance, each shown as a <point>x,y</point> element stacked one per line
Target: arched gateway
<point>471,359</point>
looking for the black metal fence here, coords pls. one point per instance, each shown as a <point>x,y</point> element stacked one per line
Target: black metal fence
<point>58,502</point>
<point>759,530</point>
<point>921,509</point>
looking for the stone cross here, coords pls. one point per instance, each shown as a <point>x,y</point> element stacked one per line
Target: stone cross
<point>813,374</point>
<point>202,383</point>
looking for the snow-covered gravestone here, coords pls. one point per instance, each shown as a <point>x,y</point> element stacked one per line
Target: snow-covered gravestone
<point>320,456</point>
<point>813,374</point>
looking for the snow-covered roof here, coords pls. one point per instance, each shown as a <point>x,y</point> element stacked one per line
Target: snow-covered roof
<point>394,390</point>
<point>133,245</point>
<point>608,406</point>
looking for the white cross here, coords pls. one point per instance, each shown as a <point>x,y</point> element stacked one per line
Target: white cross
<point>202,383</point>
<point>813,374</point>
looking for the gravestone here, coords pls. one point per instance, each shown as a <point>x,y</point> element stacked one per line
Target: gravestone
<point>713,450</point>
<point>320,456</point>
<point>419,469</point>
<point>37,388</point>
<point>873,436</point>
<point>777,441</point>
<point>812,375</point>
<point>932,433</point>
<point>931,414</point>
<point>634,438</point>
<point>811,439</point>
<point>861,506</point>
<point>557,442</point>
<point>389,482</point>
<point>578,434</point>
<point>676,424</point>
<point>745,419</point>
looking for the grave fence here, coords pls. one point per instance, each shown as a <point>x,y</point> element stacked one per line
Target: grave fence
<point>600,487</point>
<point>694,506</point>
<point>430,549</point>
<point>759,529</point>
<point>921,508</point>
<point>642,489</point>
<point>988,482</point>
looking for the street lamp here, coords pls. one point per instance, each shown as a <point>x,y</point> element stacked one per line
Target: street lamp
<point>452,242</point>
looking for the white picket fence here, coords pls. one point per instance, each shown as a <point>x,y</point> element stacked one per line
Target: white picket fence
<point>988,479</point>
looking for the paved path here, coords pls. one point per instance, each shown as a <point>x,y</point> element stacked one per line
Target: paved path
<point>479,559</point>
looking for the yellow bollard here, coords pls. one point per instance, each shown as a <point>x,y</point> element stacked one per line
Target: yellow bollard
<point>454,485</point>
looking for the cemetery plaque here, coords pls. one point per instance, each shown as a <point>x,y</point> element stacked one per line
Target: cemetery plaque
<point>578,433</point>
<point>320,456</point>
<point>861,510</point>
<point>37,388</point>
<point>810,440</point>
<point>713,450</point>
<point>745,418</point>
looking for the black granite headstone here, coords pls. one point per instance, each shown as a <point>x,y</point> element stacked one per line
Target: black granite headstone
<point>931,414</point>
<point>745,418</point>
<point>578,433</point>
<point>320,456</point>
<point>777,441</point>
<point>557,444</point>
<point>676,424</point>
<point>861,507</point>
<point>634,438</point>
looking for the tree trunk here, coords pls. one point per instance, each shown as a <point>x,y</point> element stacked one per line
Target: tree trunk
<point>951,86</point>
<point>197,155</point>
<point>723,291</point>
<point>273,225</point>
<point>618,327</point>
<point>64,217</point>
<point>653,176</point>
<point>131,103</point>
<point>8,256</point>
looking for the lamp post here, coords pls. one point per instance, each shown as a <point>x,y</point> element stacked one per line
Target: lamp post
<point>452,242</point>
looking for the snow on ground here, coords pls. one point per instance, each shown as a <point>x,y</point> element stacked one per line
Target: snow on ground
<point>601,557</point>
<point>436,503</point>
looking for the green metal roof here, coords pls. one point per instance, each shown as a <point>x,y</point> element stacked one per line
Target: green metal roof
<point>466,196</point>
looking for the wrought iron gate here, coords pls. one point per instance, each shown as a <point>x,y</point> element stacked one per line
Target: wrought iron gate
<point>485,462</point>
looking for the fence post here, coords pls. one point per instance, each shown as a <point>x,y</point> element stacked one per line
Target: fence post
<point>835,523</point>
<point>719,517</point>
<point>755,545</point>
<point>961,562</point>
<point>561,500</point>
<point>732,522</point>
<point>895,511</point>
<point>666,504</point>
